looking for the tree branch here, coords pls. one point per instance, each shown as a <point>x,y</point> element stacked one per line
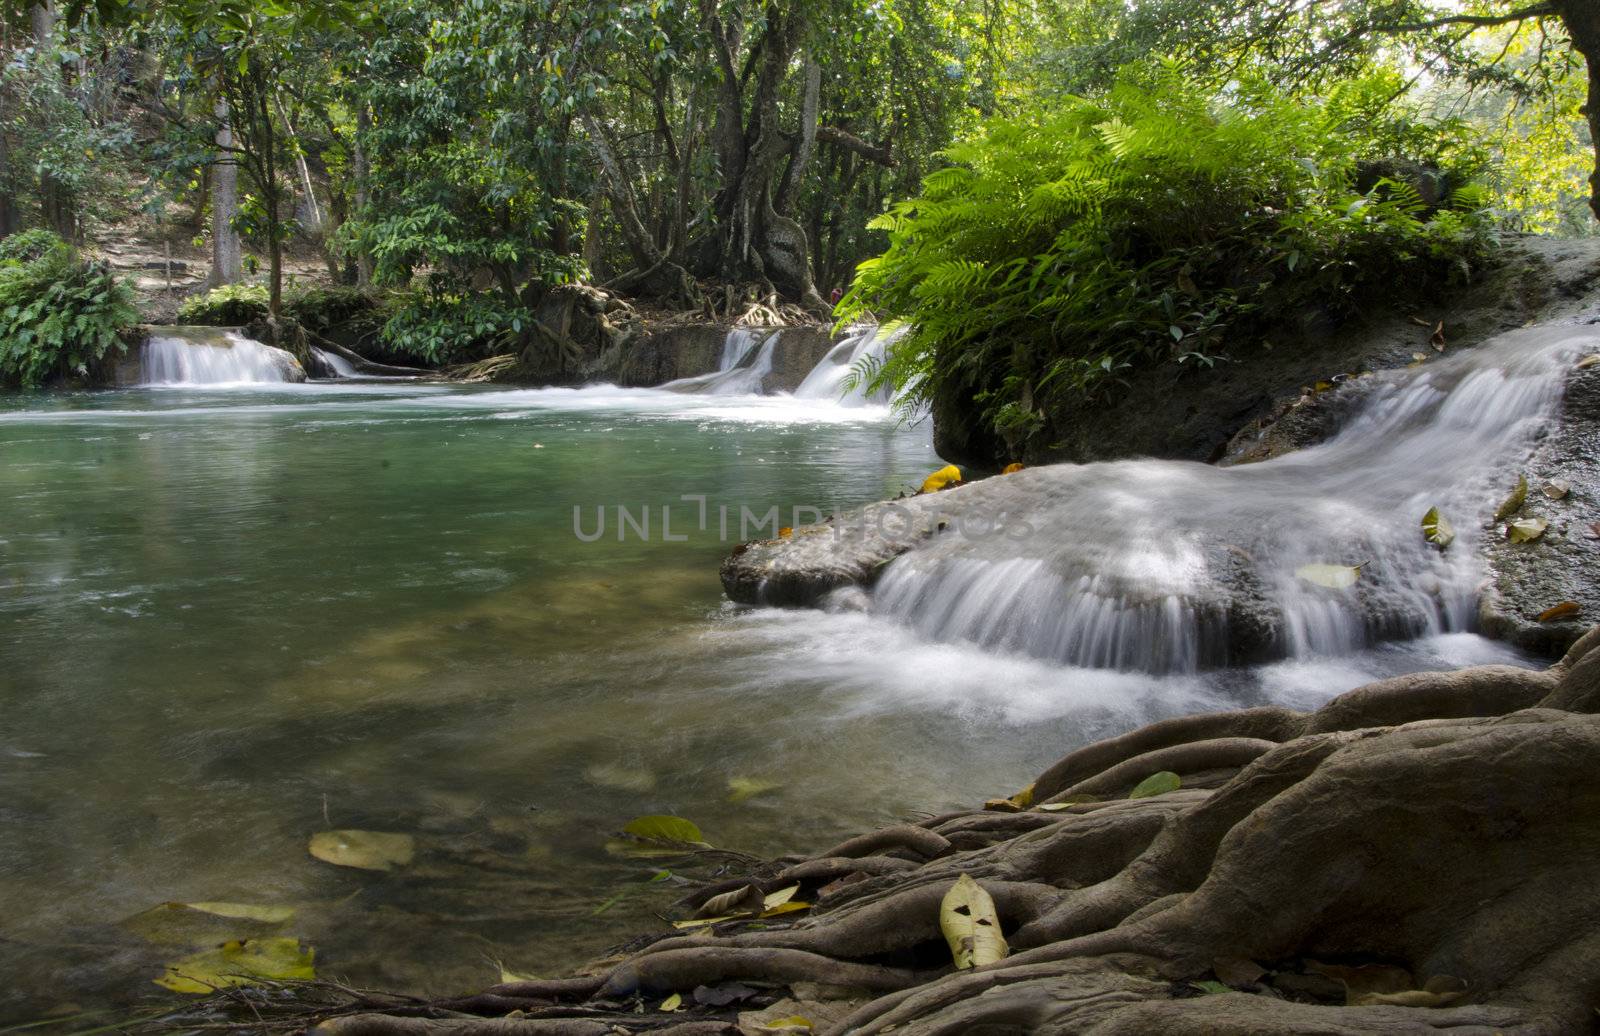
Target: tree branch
<point>879,153</point>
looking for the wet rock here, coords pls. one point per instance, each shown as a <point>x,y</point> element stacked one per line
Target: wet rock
<point>1528,579</point>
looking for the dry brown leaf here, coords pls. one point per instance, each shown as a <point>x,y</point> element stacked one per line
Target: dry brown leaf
<point>1565,609</point>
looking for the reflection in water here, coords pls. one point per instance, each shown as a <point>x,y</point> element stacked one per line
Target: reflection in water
<point>235,618</point>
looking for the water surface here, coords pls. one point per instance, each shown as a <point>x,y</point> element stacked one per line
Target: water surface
<point>231,618</point>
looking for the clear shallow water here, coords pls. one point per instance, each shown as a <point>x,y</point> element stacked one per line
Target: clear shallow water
<point>230,618</point>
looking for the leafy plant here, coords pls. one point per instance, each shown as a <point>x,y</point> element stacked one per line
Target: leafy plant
<point>447,327</point>
<point>1159,223</point>
<point>59,315</point>
<point>232,305</point>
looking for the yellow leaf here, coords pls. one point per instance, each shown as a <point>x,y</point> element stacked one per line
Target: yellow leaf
<point>1589,361</point>
<point>1011,469</point>
<point>1156,784</point>
<point>1334,577</point>
<point>793,906</point>
<point>242,911</point>
<point>1564,610</point>
<point>1024,798</point>
<point>237,963</point>
<point>1513,503</point>
<point>742,788</point>
<point>1527,530</point>
<point>778,898</point>
<point>673,1002</point>
<point>701,922</point>
<point>944,478</point>
<point>793,1023</point>
<point>971,925</point>
<point>368,850</point>
<point>1437,530</point>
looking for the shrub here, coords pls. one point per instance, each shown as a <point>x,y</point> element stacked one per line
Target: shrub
<point>323,309</point>
<point>59,316</point>
<point>445,327</point>
<point>1157,224</point>
<point>232,305</point>
<point>28,245</point>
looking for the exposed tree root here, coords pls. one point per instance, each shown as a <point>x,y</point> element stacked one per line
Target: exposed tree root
<point>1440,825</point>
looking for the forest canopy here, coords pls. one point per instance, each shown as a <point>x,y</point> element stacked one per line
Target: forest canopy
<point>467,158</point>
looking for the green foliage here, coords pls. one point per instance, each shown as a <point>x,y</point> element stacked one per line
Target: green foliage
<point>323,309</point>
<point>60,317</point>
<point>1158,224</point>
<point>232,305</point>
<point>448,327</point>
<point>29,245</point>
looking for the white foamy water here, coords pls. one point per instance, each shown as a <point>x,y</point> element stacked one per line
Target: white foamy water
<point>745,363</point>
<point>209,356</point>
<point>1169,566</point>
<point>841,376</point>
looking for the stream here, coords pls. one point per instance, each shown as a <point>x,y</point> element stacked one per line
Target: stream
<point>237,615</point>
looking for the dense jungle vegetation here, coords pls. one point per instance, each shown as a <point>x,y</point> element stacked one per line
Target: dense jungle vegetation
<point>1047,192</point>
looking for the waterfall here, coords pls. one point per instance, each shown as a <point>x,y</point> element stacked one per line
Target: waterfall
<point>861,352</point>
<point>1167,566</point>
<point>213,356</point>
<point>744,370</point>
<point>341,367</point>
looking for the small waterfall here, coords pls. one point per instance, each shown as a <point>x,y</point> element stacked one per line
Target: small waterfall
<point>213,356</point>
<point>862,351</point>
<point>745,366</point>
<point>1168,566</point>
<point>341,367</point>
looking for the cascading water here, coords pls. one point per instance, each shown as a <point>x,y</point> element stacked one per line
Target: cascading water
<point>745,366</point>
<point>864,350</point>
<point>212,356</point>
<point>1169,566</point>
<point>341,367</point>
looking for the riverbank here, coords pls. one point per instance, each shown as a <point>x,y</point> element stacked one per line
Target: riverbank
<point>1265,870</point>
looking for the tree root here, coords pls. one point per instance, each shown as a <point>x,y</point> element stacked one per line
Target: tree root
<point>1439,823</point>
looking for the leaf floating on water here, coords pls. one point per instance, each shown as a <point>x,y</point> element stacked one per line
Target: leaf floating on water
<point>1527,530</point>
<point>239,963</point>
<point>1513,503</point>
<point>742,788</point>
<point>673,1003</point>
<point>1156,784</point>
<point>971,925</point>
<point>1557,489</point>
<point>366,850</point>
<point>662,828</point>
<point>1564,610</point>
<point>1334,577</point>
<point>242,911</point>
<point>944,478</point>
<point>1437,530</point>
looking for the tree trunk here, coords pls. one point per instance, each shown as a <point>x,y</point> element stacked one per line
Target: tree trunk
<point>361,172</point>
<point>59,207</point>
<point>226,255</point>
<point>1582,18</point>
<point>10,217</point>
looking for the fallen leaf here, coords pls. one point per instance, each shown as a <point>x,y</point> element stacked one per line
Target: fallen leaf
<point>1564,610</point>
<point>1418,359</point>
<point>673,1003</point>
<point>1437,530</point>
<point>239,963</point>
<point>1513,503</point>
<point>1437,338</point>
<point>945,478</point>
<point>1024,798</point>
<point>1589,361</point>
<point>723,994</point>
<point>1210,988</point>
<point>1334,577</point>
<point>1001,806</point>
<point>366,850</point>
<point>1527,530</point>
<point>1364,980</point>
<point>971,925</point>
<point>1011,469</point>
<point>1156,784</point>
<point>785,532</point>
<point>746,900</point>
<point>793,906</point>
<point>1420,322</point>
<point>742,788</point>
<point>1557,489</point>
<point>657,835</point>
<point>778,898</point>
<point>793,1023</point>
<point>1594,531</point>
